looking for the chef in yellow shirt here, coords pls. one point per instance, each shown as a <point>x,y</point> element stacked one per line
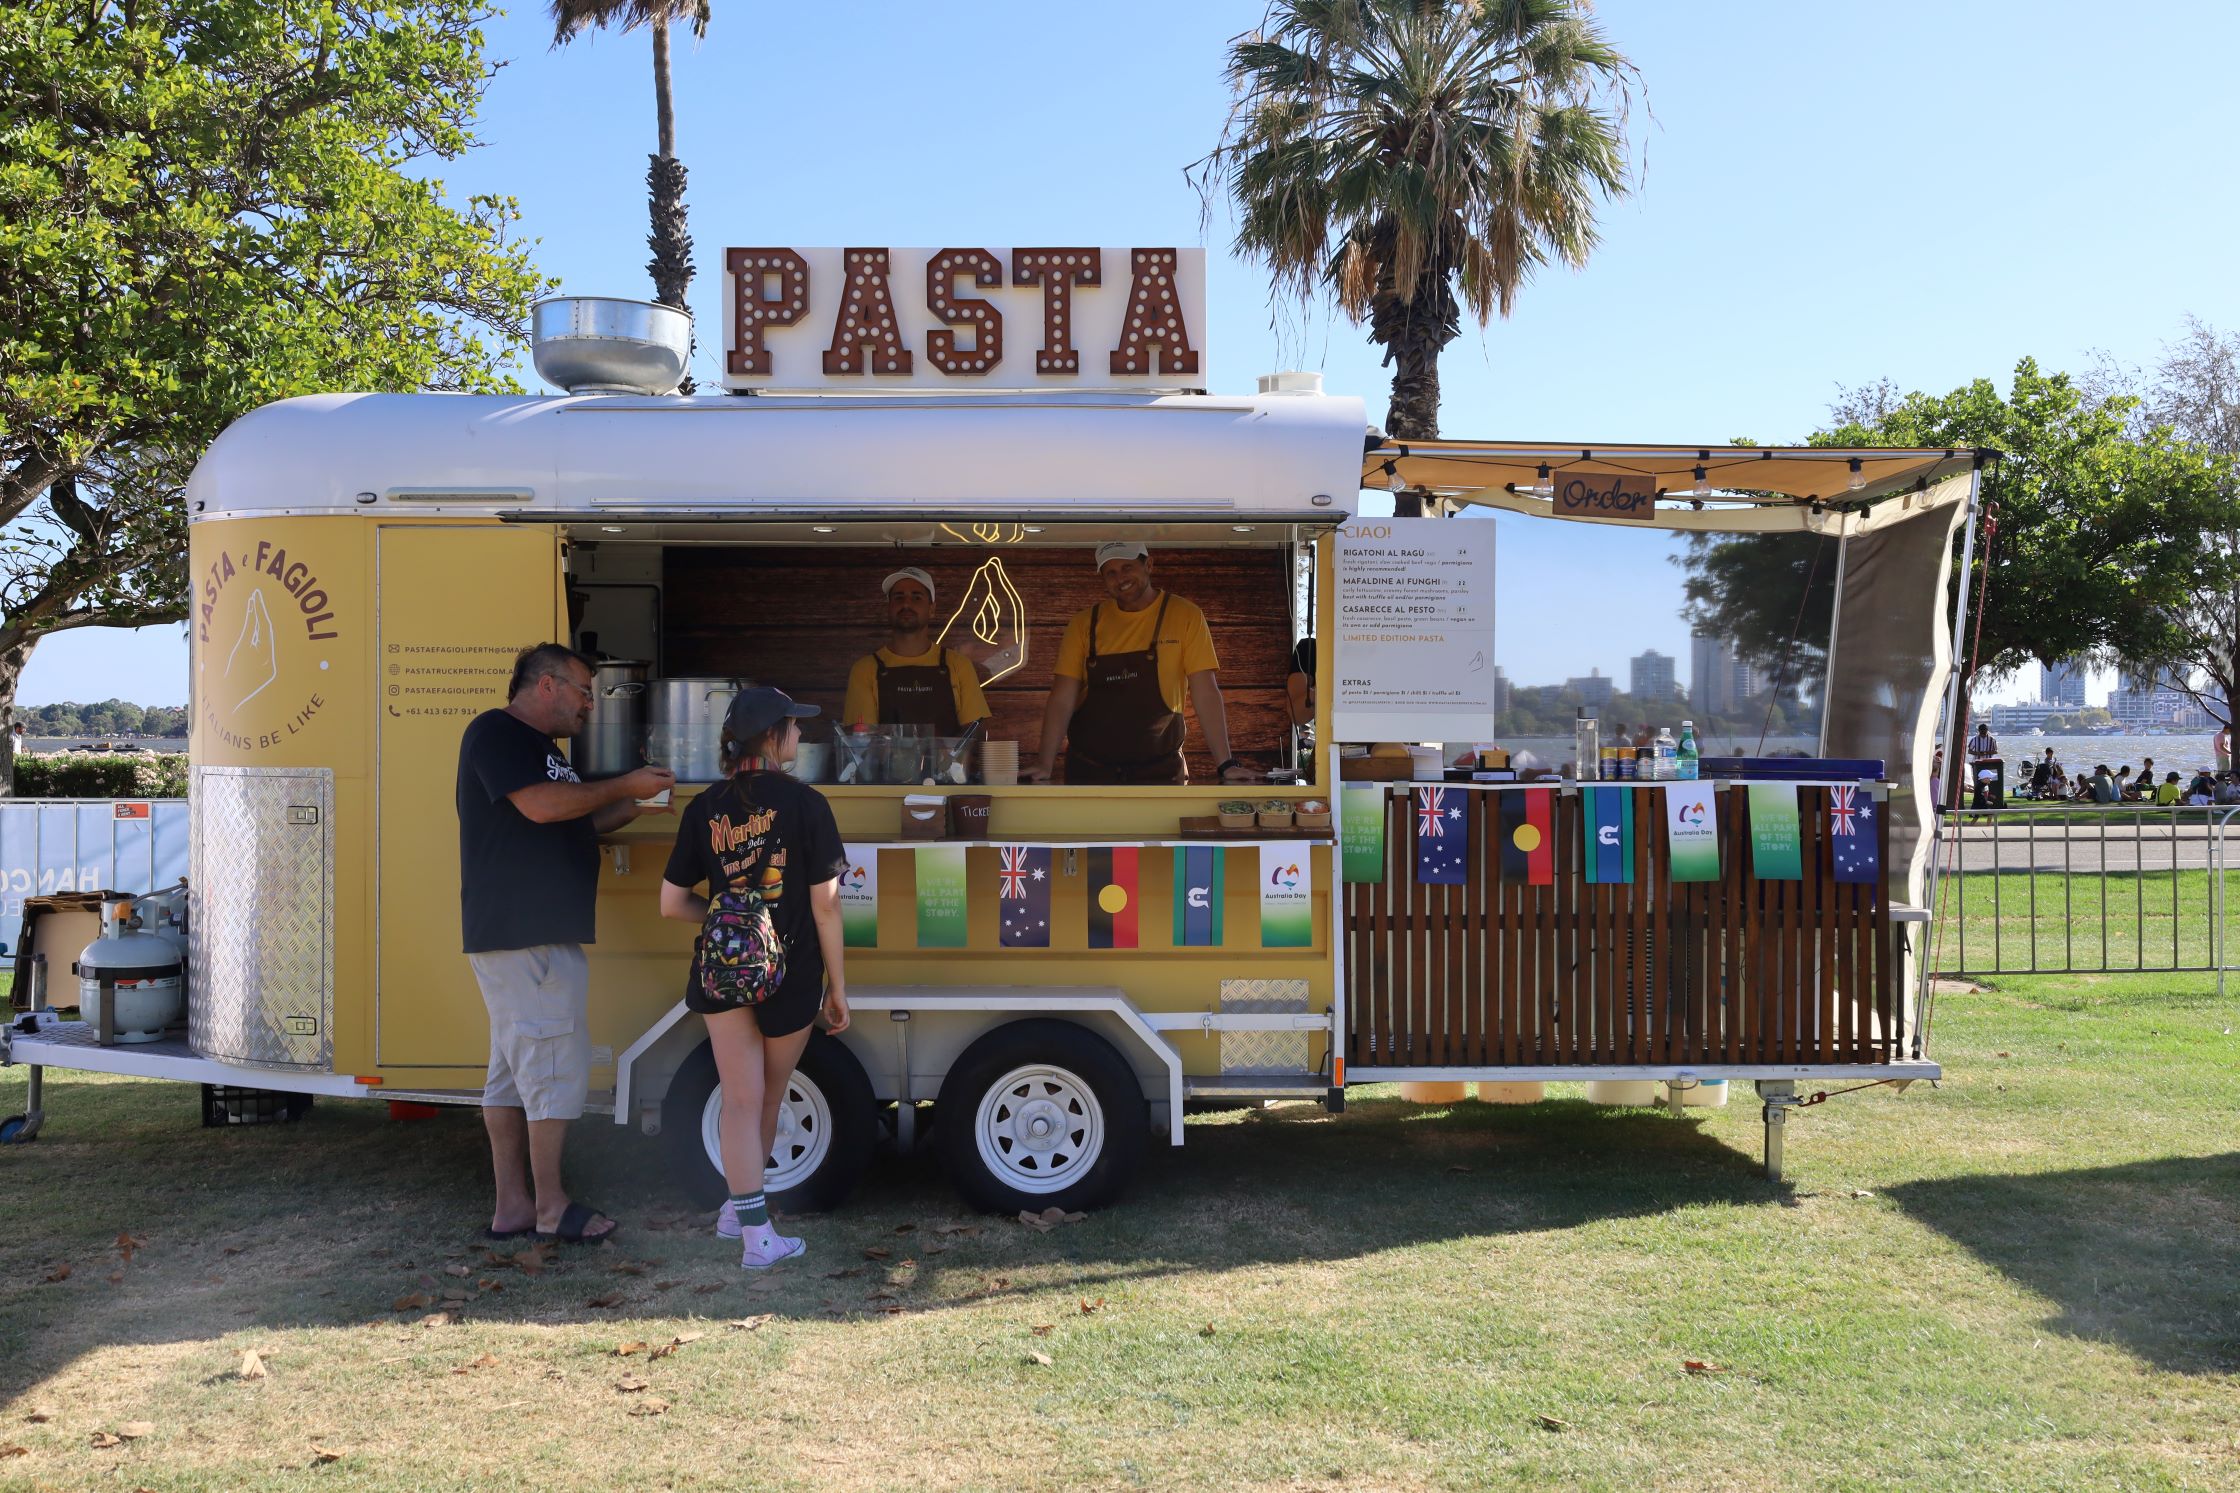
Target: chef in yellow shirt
<point>912,681</point>
<point>1124,668</point>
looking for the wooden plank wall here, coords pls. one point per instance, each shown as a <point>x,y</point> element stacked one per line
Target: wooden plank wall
<point>1502,973</point>
<point>799,618</point>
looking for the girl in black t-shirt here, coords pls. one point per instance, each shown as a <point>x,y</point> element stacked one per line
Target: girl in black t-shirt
<point>762,833</point>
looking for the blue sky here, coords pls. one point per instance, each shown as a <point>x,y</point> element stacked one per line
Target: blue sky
<point>1831,193</point>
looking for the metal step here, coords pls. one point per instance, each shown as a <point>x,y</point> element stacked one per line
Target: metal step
<point>1255,1086</point>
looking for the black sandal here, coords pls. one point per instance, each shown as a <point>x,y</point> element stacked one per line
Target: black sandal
<point>572,1224</point>
<point>509,1233</point>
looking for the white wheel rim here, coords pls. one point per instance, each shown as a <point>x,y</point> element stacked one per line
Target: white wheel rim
<point>803,1141</point>
<point>1040,1129</point>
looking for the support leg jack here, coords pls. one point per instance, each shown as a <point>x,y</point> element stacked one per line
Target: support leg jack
<point>1779,1096</point>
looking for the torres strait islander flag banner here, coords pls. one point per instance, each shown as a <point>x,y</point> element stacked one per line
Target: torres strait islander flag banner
<point>1112,897</point>
<point>1023,897</point>
<point>859,898</point>
<point>1609,819</point>
<point>941,897</point>
<point>1776,846</point>
<point>1442,838</point>
<point>1852,831</point>
<point>1197,896</point>
<point>1528,839</point>
<point>1286,896</point>
<point>1692,826</point>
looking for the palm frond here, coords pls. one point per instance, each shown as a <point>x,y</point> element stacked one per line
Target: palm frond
<point>570,18</point>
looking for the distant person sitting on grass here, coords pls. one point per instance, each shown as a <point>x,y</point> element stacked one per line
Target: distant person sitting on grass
<point>2202,790</point>
<point>2104,789</point>
<point>2126,790</point>
<point>2166,791</point>
<point>2228,789</point>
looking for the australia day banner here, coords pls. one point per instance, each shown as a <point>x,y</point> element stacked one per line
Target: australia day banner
<point>1692,826</point>
<point>1286,896</point>
<point>859,898</point>
<point>941,899</point>
<point>1776,852</point>
<point>1361,832</point>
<point>1023,897</point>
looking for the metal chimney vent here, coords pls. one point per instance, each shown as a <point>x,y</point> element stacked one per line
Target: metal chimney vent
<point>601,345</point>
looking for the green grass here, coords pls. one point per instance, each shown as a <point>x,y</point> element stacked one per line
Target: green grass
<point>2017,921</point>
<point>2022,1279</point>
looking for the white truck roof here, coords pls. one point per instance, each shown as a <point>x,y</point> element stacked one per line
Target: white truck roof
<point>1160,456</point>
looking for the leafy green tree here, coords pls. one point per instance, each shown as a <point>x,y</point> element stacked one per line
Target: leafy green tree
<point>1419,157</point>
<point>206,205</point>
<point>1771,595</point>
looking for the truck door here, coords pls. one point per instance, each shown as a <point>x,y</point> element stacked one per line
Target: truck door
<point>457,602</point>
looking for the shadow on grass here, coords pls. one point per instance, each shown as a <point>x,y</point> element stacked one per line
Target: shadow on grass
<point>340,1219</point>
<point>2143,1256</point>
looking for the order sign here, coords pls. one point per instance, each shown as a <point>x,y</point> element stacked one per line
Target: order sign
<point>1414,660</point>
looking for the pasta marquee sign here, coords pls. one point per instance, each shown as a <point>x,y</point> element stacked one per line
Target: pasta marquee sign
<point>1080,318</point>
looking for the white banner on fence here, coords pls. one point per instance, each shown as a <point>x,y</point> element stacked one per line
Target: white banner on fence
<point>82,845</point>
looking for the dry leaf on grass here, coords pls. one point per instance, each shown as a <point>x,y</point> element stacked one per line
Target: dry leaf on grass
<point>1045,1329</point>
<point>1861,1192</point>
<point>1461,1169</point>
<point>675,1343</point>
<point>667,1285</point>
<point>630,1384</point>
<point>487,1284</point>
<point>650,1405</point>
<point>843,1272</point>
<point>487,1360</point>
<point>461,1271</point>
<point>1049,1218</point>
<point>412,1303</point>
<point>14,1451</point>
<point>624,1350</point>
<point>325,1454</point>
<point>57,1274</point>
<point>935,1246</point>
<point>627,1267</point>
<point>709,1288</point>
<point>1206,1331</point>
<point>1698,1366</point>
<point>905,1228</point>
<point>133,1430</point>
<point>116,1277</point>
<point>877,1252</point>
<point>612,1298</point>
<point>40,1416</point>
<point>1091,1308</point>
<point>1550,1423</point>
<point>252,1366</point>
<point>749,1324</point>
<point>231,1249</point>
<point>956,1228</point>
<point>128,1245</point>
<point>1040,1360</point>
<point>439,1319</point>
<point>102,1440</point>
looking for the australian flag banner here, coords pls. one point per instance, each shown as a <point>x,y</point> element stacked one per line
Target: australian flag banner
<point>1442,837</point>
<point>1023,897</point>
<point>1852,831</point>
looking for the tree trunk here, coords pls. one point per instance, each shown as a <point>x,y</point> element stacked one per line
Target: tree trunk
<point>670,241</point>
<point>12,662</point>
<point>1413,332</point>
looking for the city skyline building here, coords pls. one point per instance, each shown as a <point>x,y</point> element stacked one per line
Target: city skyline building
<point>2064,683</point>
<point>1651,676</point>
<point>1596,689</point>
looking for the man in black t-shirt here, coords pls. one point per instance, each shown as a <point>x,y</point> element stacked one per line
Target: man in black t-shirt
<point>528,875</point>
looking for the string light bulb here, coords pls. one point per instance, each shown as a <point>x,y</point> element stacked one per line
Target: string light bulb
<point>1703,486</point>
<point>1858,474</point>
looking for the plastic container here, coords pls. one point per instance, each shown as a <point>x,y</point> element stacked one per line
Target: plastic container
<point>1434,1093</point>
<point>1427,764</point>
<point>1586,745</point>
<point>1704,1093</point>
<point>1691,753</point>
<point>1511,1093</point>
<point>1622,1090</point>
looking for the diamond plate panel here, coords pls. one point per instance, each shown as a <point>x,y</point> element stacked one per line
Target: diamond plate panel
<point>261,926</point>
<point>1264,1054</point>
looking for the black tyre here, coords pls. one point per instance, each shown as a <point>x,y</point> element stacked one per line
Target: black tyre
<point>1040,1114</point>
<point>825,1130</point>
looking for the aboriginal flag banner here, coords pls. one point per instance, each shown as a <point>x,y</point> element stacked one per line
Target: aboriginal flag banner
<point>1528,840</point>
<point>1112,898</point>
<point>1023,897</point>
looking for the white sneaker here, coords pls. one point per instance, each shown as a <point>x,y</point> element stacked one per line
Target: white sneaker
<point>727,1223</point>
<point>766,1247</point>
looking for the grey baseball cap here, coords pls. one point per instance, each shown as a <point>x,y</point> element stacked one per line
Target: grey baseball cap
<point>754,711</point>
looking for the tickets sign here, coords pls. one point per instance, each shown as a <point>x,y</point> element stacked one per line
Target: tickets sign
<point>1044,317</point>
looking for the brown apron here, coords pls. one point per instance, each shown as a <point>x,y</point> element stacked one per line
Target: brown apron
<point>918,695</point>
<point>1138,739</point>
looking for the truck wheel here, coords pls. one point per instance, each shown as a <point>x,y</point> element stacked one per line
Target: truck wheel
<point>1040,1114</point>
<point>825,1130</point>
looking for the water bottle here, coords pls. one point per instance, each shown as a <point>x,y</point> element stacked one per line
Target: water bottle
<point>1690,756</point>
<point>1668,755</point>
<point>1586,755</point>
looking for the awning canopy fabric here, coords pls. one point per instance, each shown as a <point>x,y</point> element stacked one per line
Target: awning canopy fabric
<point>1762,475</point>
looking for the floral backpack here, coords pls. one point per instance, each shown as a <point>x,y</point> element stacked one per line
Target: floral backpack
<point>742,959</point>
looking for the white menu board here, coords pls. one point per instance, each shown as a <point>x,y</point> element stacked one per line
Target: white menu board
<point>1414,660</point>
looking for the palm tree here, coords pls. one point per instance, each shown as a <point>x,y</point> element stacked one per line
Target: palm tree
<point>1397,152</point>
<point>671,266</point>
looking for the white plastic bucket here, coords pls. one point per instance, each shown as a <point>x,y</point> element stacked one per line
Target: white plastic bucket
<point>1622,1091</point>
<point>1434,1093</point>
<point>1511,1093</point>
<point>1704,1093</point>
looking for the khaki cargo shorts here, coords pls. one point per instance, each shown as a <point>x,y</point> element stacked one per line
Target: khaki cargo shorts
<point>540,1029</point>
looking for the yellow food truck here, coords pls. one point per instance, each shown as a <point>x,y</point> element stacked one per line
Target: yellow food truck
<point>1044,977</point>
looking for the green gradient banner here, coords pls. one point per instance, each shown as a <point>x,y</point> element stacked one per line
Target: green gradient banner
<point>859,898</point>
<point>1692,826</point>
<point>1361,813</point>
<point>941,900</point>
<point>1286,896</point>
<point>1776,846</point>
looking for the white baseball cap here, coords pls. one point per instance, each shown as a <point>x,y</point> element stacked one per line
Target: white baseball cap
<point>907,573</point>
<point>1122,549</point>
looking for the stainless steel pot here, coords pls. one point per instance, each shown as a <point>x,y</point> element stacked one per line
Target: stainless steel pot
<point>684,720</point>
<point>611,739</point>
